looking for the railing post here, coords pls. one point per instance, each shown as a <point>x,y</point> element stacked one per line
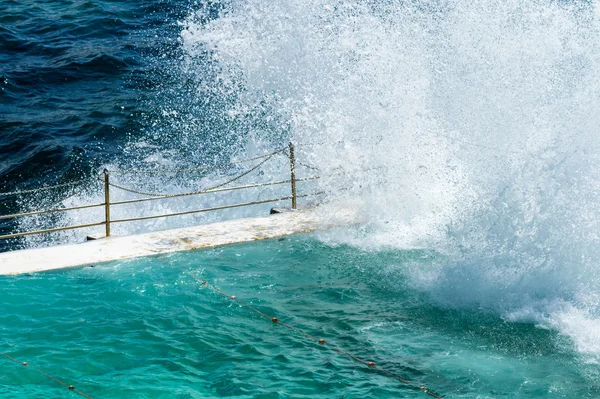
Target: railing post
<point>107,202</point>
<point>293,174</point>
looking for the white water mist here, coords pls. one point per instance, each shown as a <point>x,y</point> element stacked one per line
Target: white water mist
<point>469,127</point>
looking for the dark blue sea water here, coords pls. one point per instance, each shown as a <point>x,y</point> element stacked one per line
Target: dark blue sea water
<point>76,77</point>
<point>78,80</point>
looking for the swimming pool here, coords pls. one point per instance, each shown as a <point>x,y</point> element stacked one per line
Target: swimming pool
<point>146,328</point>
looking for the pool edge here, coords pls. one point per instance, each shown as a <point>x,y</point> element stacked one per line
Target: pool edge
<point>174,240</point>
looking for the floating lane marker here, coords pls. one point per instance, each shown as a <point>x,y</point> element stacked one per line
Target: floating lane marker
<point>318,340</point>
<point>68,386</point>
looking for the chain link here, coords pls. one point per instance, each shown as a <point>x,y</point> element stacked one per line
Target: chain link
<point>133,191</point>
<point>35,190</point>
<point>300,163</point>
<point>197,169</point>
<point>320,341</point>
<point>65,198</point>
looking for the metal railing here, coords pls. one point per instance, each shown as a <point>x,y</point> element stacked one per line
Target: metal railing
<point>105,177</point>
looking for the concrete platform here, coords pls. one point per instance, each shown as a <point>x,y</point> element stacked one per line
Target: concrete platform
<point>166,241</point>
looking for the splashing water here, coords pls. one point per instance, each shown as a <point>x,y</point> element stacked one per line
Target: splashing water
<point>464,127</point>
<point>467,127</point>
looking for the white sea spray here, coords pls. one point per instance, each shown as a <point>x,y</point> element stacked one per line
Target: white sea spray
<point>466,127</point>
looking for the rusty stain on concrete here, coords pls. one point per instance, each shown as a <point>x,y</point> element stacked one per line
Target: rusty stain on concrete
<point>176,240</point>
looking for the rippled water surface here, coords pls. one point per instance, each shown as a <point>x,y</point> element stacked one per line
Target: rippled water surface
<point>147,328</point>
<point>75,83</point>
<point>73,79</point>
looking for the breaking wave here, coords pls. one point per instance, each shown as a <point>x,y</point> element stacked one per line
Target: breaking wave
<point>465,127</point>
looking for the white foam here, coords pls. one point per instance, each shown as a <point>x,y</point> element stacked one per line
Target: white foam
<point>469,127</point>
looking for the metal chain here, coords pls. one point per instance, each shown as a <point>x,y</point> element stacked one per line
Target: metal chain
<point>133,191</point>
<point>44,188</point>
<point>63,199</point>
<point>300,163</point>
<point>378,140</point>
<point>197,169</point>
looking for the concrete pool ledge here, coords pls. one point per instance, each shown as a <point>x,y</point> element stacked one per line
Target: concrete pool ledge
<point>175,240</point>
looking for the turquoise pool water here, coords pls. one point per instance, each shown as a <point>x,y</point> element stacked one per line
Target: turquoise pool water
<point>147,328</point>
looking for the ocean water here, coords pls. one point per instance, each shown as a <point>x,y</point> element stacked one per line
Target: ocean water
<point>464,132</point>
<point>147,328</point>
<point>76,79</point>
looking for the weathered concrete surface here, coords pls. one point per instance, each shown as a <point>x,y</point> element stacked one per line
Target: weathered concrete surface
<point>189,238</point>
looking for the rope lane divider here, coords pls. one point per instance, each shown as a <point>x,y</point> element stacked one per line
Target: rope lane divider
<point>39,211</point>
<point>196,169</point>
<point>46,188</point>
<point>321,341</point>
<point>165,195</point>
<point>68,386</point>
